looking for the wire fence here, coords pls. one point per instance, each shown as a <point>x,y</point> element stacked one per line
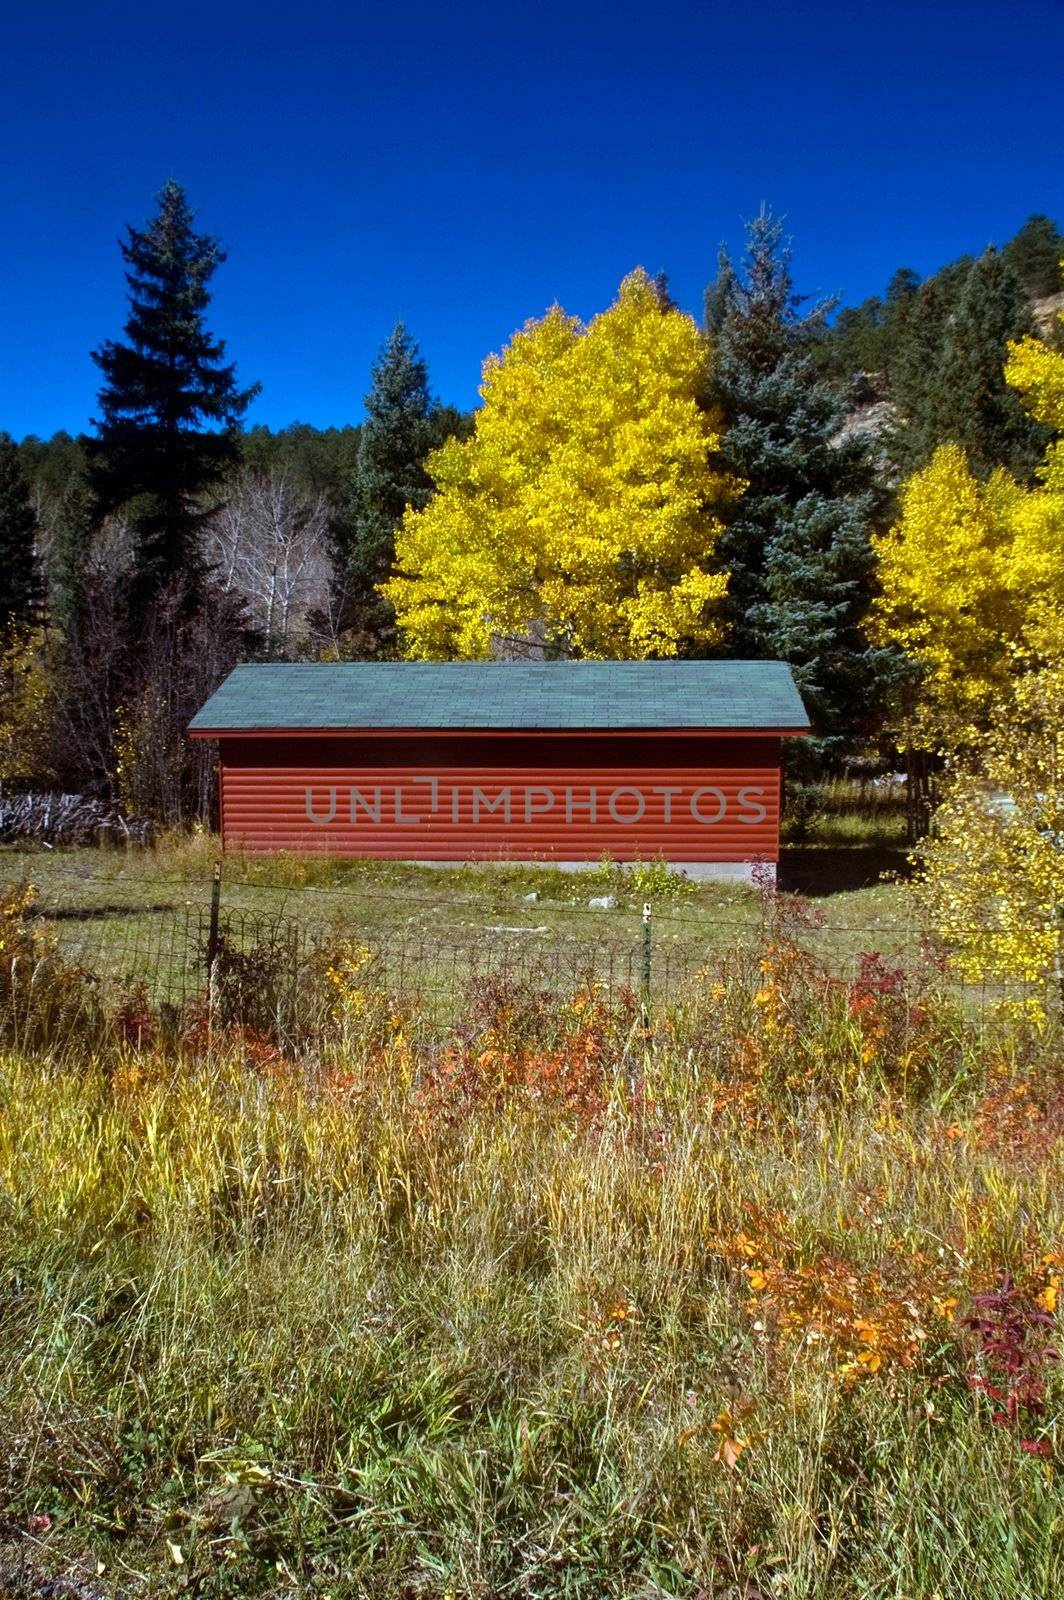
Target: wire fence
<point>275,961</point>
<point>172,952</point>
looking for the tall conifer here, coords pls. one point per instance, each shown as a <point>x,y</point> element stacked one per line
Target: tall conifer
<point>20,586</point>
<point>401,426</point>
<point>1035,255</point>
<point>970,403</point>
<point>796,547</point>
<point>170,408</point>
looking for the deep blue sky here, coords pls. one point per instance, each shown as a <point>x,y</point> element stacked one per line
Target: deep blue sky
<point>463,165</point>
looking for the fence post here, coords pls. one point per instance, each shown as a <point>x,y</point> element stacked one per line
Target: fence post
<point>646,966</point>
<point>216,903</point>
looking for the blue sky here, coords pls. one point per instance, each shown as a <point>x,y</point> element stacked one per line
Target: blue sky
<point>463,166</point>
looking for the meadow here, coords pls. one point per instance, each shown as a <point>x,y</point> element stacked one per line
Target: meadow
<point>143,913</point>
<point>752,1295</point>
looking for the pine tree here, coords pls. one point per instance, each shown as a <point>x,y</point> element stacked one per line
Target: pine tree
<point>170,407</point>
<point>970,402</point>
<point>1035,255</point>
<point>20,586</point>
<point>389,474</point>
<point>902,290</point>
<point>796,548</point>
<point>948,380</point>
<point>912,437</point>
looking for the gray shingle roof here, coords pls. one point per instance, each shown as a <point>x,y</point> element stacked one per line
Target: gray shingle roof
<point>519,695</point>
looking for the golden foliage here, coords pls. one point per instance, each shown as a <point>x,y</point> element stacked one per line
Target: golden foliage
<point>955,591</point>
<point>582,506</point>
<point>25,691</point>
<point>864,1319</point>
<point>993,872</point>
<point>972,574</point>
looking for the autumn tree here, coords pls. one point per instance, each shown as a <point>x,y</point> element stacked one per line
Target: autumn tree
<point>992,872</point>
<point>796,546</point>
<point>950,596</point>
<point>971,574</point>
<point>584,509</point>
<point>170,407</point>
<point>1035,370</point>
<point>25,705</point>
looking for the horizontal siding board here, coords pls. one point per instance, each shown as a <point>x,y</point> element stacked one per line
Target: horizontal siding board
<point>265,808</point>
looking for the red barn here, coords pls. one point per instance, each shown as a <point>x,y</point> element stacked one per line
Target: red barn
<point>536,761</point>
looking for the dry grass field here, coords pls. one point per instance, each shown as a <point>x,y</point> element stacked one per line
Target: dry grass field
<point>752,1297</point>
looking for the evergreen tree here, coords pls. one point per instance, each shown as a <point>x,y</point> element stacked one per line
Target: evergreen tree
<point>914,435</point>
<point>20,586</point>
<point>719,297</point>
<point>947,379</point>
<point>1035,255</point>
<point>389,474</point>
<point>969,401</point>
<point>170,407</point>
<point>902,290</point>
<point>796,548</point>
<point>319,460</point>
<point>856,342</point>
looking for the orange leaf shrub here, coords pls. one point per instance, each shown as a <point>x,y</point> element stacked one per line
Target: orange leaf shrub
<point>521,1042</point>
<point>867,1319</point>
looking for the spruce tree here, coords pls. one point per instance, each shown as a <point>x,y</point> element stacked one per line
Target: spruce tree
<point>20,586</point>
<point>1035,255</point>
<point>389,474</point>
<point>914,436</point>
<point>170,408</point>
<point>796,548</point>
<point>969,401</point>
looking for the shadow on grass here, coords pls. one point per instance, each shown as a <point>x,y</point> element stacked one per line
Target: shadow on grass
<point>819,872</point>
<point>100,913</point>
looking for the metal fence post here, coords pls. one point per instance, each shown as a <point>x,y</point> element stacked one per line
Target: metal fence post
<point>646,965</point>
<point>216,903</point>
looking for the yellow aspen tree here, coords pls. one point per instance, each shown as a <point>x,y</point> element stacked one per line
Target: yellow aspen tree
<point>973,587</point>
<point>971,575</point>
<point>992,878</point>
<point>583,508</point>
<point>944,593</point>
<point>25,692</point>
<point>1037,372</point>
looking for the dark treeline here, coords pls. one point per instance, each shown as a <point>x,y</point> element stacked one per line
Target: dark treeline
<point>140,560</point>
<point>930,352</point>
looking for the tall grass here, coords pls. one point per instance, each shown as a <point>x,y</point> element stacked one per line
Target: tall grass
<point>567,1307</point>
<point>846,811</point>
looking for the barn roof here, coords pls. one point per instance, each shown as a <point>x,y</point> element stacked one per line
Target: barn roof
<point>541,695</point>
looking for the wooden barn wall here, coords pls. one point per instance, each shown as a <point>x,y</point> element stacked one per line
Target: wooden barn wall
<point>453,798</point>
